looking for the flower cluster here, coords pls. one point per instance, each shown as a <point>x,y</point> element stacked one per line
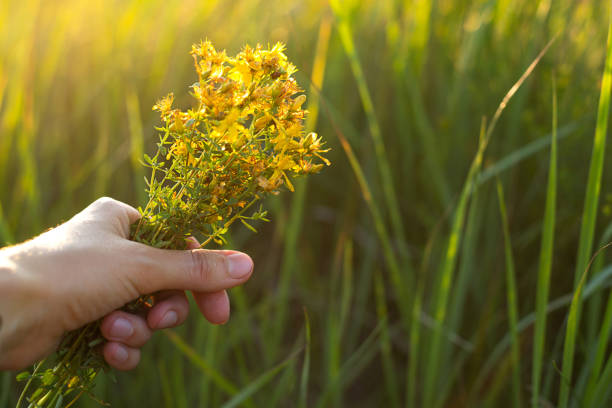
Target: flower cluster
<point>245,138</point>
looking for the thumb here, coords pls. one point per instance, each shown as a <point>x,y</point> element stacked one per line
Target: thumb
<point>199,270</point>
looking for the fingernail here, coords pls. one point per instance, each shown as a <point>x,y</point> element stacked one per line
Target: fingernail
<point>121,328</point>
<point>239,265</point>
<point>169,320</point>
<point>120,354</point>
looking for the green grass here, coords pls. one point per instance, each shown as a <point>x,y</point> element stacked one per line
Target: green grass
<point>382,161</point>
<point>512,300</point>
<point>391,278</point>
<point>546,256</point>
<point>589,216</point>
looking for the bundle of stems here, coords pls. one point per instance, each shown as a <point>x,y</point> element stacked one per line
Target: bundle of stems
<point>243,140</point>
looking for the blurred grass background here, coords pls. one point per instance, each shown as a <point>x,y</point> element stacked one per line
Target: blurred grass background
<point>385,280</point>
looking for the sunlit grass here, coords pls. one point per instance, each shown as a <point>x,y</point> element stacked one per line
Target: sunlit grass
<point>546,257</point>
<point>397,251</point>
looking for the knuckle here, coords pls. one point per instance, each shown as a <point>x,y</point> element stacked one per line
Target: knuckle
<point>122,211</point>
<point>105,205</point>
<point>200,266</point>
<point>106,202</point>
<point>205,264</point>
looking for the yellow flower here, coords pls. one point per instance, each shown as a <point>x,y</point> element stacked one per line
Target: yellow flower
<point>242,72</point>
<point>245,138</point>
<point>229,120</point>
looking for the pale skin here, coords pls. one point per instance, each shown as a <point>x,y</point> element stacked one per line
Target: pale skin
<point>87,269</point>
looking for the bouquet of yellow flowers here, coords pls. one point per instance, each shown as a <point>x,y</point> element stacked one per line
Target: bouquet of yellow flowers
<point>244,139</point>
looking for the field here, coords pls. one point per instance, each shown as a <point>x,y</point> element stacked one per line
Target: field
<point>443,260</point>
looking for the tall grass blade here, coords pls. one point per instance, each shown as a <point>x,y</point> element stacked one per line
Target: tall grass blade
<point>408,62</point>
<point>513,159</point>
<point>216,377</point>
<point>572,323</point>
<point>596,284</point>
<point>407,66</point>
<point>546,256</point>
<point>604,331</point>
<point>595,306</point>
<point>353,366</point>
<point>379,225</point>
<point>589,216</point>
<point>6,236</point>
<point>442,291</point>
<point>415,324</point>
<point>511,299</point>
<point>382,162</point>
<point>259,382</point>
<point>166,388</point>
<point>296,214</point>
<point>600,354</point>
<point>337,318</point>
<point>3,81</point>
<point>28,187</point>
<point>415,344</point>
<point>600,396</point>
<point>346,293</point>
<point>385,341</point>
<point>5,388</point>
<point>136,144</point>
<point>468,262</point>
<point>306,365</point>
<point>466,278</point>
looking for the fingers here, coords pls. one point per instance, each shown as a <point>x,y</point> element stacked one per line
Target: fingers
<point>214,306</point>
<point>111,214</point>
<point>198,270</point>
<point>170,310</point>
<point>120,356</point>
<point>125,332</point>
<point>128,329</point>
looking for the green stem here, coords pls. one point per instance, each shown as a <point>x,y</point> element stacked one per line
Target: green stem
<point>71,403</point>
<point>25,389</point>
<point>231,221</point>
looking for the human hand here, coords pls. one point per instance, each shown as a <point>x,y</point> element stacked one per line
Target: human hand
<point>87,268</point>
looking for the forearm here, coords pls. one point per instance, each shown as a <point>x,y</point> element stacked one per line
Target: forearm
<point>18,310</point>
<point>8,323</point>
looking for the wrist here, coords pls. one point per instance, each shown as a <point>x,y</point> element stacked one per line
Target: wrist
<point>16,311</point>
<point>8,281</point>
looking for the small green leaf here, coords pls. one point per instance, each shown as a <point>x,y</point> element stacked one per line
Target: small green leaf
<point>95,342</point>
<point>36,394</point>
<point>48,377</point>
<point>249,226</point>
<point>22,376</point>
